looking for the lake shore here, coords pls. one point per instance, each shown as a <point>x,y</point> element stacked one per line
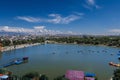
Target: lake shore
<point>80,56</point>
<point>8,48</point>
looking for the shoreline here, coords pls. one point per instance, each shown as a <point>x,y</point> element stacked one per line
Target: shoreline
<point>82,44</point>
<point>8,48</point>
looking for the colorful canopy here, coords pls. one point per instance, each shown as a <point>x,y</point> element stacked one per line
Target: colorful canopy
<point>74,75</point>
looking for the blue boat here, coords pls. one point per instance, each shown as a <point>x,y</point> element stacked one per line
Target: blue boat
<point>18,61</point>
<point>87,74</point>
<point>118,56</point>
<point>15,62</point>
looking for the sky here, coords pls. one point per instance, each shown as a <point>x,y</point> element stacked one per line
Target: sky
<point>95,17</point>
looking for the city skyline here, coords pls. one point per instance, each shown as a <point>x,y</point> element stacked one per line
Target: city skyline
<point>95,17</point>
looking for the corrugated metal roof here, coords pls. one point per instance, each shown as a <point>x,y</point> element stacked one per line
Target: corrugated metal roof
<point>74,75</point>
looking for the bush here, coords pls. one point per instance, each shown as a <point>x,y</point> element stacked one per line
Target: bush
<point>43,77</point>
<point>60,78</point>
<point>31,75</point>
<point>116,74</point>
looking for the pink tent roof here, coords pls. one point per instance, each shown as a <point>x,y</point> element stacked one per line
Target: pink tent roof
<point>74,75</point>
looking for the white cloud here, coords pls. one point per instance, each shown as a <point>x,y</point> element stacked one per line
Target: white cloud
<point>79,14</point>
<point>28,19</point>
<point>70,32</point>
<point>38,30</point>
<point>39,27</point>
<point>91,4</point>
<point>14,29</point>
<point>53,18</point>
<point>115,30</point>
<point>58,19</point>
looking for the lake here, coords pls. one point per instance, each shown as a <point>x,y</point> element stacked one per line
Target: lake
<point>54,59</point>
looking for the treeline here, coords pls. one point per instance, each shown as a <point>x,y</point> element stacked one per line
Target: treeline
<point>35,76</point>
<point>116,74</point>
<point>93,40</point>
<point>27,76</point>
<point>8,42</point>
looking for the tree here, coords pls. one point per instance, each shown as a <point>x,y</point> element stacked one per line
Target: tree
<point>31,76</point>
<point>116,74</point>
<point>34,76</point>
<point>43,77</point>
<point>60,78</point>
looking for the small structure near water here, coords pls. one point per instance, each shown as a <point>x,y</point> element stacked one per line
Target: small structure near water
<point>79,75</point>
<point>4,74</point>
<point>3,77</point>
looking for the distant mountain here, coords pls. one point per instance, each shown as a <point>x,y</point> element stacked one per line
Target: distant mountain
<point>2,33</point>
<point>38,30</point>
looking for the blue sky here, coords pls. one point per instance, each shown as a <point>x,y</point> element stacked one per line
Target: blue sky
<point>61,16</point>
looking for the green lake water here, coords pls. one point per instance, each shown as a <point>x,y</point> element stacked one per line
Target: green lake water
<point>54,59</point>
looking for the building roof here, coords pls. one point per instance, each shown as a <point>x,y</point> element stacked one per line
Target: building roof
<point>74,75</point>
<point>4,77</point>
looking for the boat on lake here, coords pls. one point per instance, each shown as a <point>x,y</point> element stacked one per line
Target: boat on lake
<point>114,64</point>
<point>16,62</point>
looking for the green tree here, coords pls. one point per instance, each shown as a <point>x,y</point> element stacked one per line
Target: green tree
<point>60,78</point>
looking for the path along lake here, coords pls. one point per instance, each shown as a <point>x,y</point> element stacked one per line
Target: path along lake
<point>54,59</point>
